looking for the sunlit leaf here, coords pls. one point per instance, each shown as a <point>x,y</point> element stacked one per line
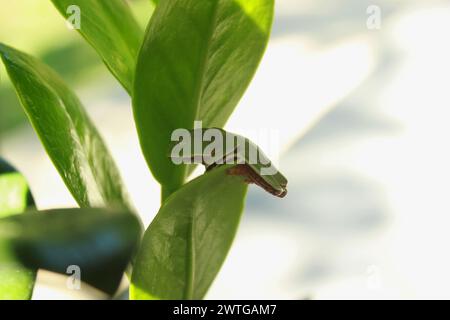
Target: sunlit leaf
<point>98,241</point>
<point>196,62</point>
<point>16,281</point>
<point>68,135</point>
<point>111,30</point>
<point>186,244</point>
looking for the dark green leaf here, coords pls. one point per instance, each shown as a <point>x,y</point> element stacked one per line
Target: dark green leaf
<point>68,135</point>
<point>99,241</point>
<point>186,244</point>
<point>196,62</point>
<point>16,282</point>
<point>112,31</point>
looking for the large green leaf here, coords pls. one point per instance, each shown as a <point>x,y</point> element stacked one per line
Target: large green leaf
<point>186,244</point>
<point>196,62</point>
<point>99,241</point>
<point>68,135</point>
<point>227,147</point>
<point>112,31</point>
<point>16,282</point>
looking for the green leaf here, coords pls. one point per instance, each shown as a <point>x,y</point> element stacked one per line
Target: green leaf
<point>15,194</point>
<point>99,241</point>
<point>16,282</point>
<point>110,28</point>
<point>196,62</point>
<point>67,133</point>
<point>187,242</point>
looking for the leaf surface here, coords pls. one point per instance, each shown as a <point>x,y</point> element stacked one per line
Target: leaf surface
<point>184,247</point>
<point>110,28</point>
<point>196,62</point>
<point>16,281</point>
<point>67,133</point>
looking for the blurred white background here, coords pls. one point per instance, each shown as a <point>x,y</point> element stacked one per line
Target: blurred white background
<point>362,116</point>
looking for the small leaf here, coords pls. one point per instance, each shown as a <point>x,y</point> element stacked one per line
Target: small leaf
<point>67,133</point>
<point>110,28</point>
<point>186,244</point>
<point>99,241</point>
<point>16,281</point>
<point>196,62</point>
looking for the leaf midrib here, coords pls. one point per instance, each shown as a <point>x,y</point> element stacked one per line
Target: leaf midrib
<point>197,101</point>
<point>204,61</point>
